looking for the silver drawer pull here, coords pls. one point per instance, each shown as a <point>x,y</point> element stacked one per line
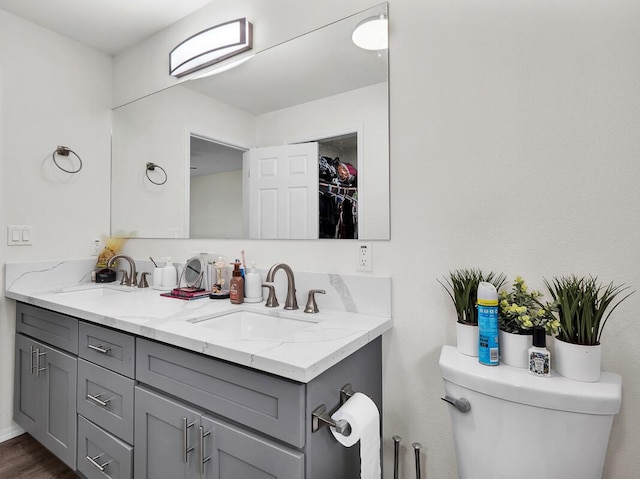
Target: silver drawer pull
<point>32,364</point>
<point>38,368</point>
<point>92,460</point>
<point>96,399</point>
<point>185,440</point>
<point>203,460</point>
<point>99,347</point>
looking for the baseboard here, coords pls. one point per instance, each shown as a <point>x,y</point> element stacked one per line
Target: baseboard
<point>10,432</point>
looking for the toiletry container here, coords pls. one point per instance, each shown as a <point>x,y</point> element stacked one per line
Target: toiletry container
<point>169,275</point>
<point>539,356</point>
<point>519,426</point>
<point>156,277</point>
<point>488,353</point>
<point>252,285</point>
<point>236,286</point>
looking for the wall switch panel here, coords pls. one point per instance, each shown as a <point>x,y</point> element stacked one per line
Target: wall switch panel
<point>19,235</point>
<point>365,263</point>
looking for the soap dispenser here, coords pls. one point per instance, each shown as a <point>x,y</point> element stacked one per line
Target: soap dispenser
<point>236,285</point>
<point>169,274</point>
<point>252,285</point>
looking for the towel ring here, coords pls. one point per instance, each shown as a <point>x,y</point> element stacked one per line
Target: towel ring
<point>152,167</point>
<point>64,151</point>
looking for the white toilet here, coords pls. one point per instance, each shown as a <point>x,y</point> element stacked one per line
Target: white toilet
<point>519,426</point>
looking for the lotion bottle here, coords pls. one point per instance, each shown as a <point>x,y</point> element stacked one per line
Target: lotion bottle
<point>169,274</point>
<point>252,285</point>
<point>539,355</point>
<point>488,352</point>
<point>236,285</point>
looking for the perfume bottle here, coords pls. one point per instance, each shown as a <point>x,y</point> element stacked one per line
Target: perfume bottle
<point>539,356</point>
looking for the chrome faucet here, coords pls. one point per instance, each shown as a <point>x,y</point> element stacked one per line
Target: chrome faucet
<point>132,280</point>
<point>290,302</point>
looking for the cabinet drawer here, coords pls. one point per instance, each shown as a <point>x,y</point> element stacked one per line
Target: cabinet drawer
<point>271,405</point>
<point>108,348</point>
<point>97,449</point>
<point>106,398</point>
<point>53,328</point>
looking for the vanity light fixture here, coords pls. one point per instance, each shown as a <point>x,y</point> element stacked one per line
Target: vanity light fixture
<point>372,33</point>
<point>210,46</point>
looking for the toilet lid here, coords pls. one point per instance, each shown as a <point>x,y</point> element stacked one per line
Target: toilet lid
<point>517,385</point>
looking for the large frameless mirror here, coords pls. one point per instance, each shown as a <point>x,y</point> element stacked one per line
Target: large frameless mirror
<point>293,143</point>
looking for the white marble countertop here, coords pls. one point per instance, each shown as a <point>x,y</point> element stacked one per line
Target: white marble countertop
<point>319,341</point>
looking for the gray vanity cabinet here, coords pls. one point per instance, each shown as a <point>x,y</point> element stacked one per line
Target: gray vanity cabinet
<point>45,396</point>
<point>123,407</point>
<point>254,425</point>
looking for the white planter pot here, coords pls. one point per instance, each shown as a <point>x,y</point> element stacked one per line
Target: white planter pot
<point>575,361</point>
<point>467,339</point>
<point>514,349</point>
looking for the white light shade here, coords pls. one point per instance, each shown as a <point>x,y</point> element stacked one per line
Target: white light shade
<point>371,34</point>
<point>210,46</point>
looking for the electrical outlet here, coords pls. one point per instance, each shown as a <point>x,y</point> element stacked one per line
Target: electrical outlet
<point>96,247</point>
<point>365,263</point>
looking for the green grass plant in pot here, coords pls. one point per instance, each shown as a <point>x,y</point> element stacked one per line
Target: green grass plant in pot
<point>583,307</point>
<point>520,310</point>
<point>462,287</point>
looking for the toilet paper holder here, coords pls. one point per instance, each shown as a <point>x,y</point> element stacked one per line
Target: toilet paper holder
<point>320,417</point>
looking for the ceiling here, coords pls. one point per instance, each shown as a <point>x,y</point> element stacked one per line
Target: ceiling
<point>107,25</point>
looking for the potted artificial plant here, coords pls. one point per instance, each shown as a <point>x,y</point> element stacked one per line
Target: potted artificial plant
<point>462,287</point>
<point>583,307</point>
<point>520,310</point>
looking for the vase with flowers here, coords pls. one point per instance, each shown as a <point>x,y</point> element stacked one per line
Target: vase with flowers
<point>462,287</point>
<point>520,311</point>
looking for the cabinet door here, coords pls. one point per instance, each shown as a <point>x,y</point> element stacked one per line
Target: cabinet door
<point>58,381</point>
<point>232,453</point>
<point>165,436</point>
<point>26,390</point>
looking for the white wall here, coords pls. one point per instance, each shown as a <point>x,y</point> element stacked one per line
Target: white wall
<point>514,147</point>
<point>53,91</point>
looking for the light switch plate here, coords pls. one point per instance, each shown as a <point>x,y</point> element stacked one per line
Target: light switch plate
<point>19,235</point>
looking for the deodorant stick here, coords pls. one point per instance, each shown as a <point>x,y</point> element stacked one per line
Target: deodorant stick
<point>488,352</point>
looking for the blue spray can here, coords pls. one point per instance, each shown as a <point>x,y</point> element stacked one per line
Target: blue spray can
<point>488,351</point>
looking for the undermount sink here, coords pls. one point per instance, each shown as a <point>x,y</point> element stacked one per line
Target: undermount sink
<point>94,292</point>
<point>253,325</point>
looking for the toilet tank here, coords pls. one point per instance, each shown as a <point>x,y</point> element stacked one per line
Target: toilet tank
<point>524,427</point>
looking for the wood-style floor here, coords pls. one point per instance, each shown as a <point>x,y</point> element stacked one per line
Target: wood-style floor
<point>24,458</point>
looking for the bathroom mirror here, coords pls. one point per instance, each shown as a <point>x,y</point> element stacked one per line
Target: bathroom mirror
<point>318,88</point>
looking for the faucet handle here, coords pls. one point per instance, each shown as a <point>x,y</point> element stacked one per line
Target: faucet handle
<point>272,301</point>
<point>125,278</point>
<point>143,280</point>
<point>312,306</point>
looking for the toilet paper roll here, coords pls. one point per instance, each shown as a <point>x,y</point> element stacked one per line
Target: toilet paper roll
<point>364,418</point>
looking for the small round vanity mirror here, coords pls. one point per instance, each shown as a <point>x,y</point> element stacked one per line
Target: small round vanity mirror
<point>193,272</point>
